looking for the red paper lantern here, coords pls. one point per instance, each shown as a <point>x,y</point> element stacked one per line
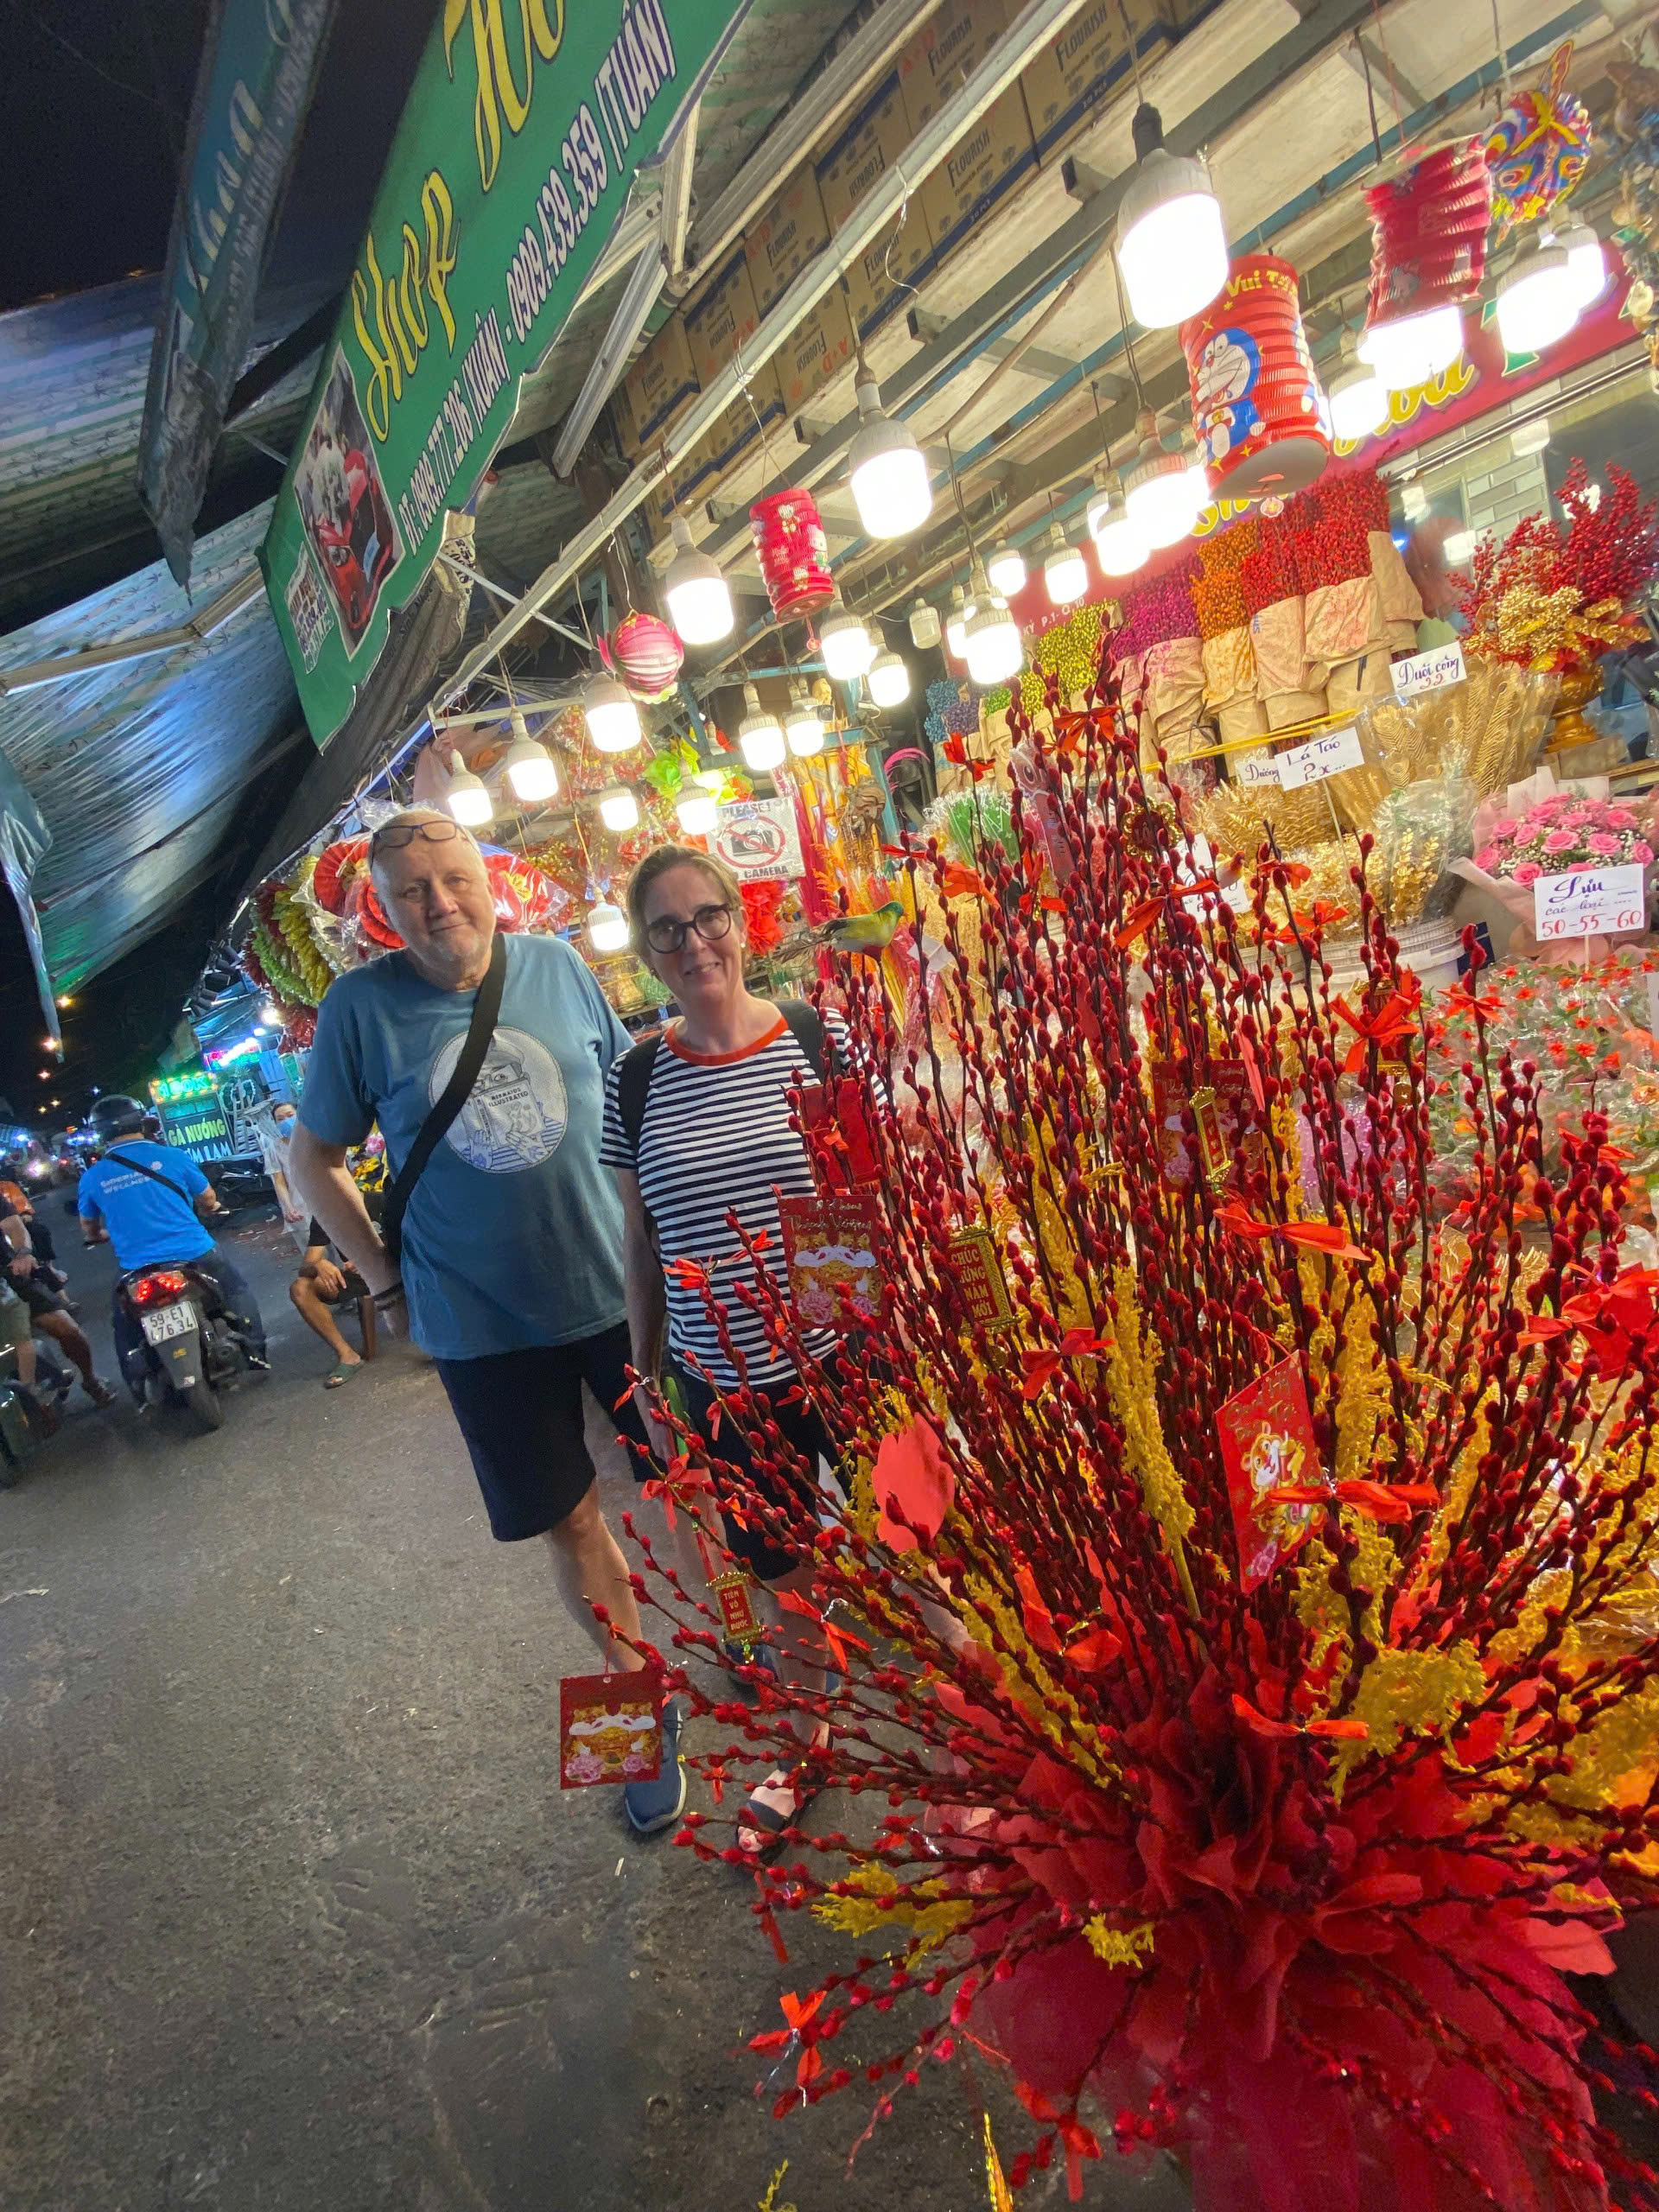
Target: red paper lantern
<point>793,552</point>
<point>647,655</point>
<point>1262,421</point>
<point>1428,233</point>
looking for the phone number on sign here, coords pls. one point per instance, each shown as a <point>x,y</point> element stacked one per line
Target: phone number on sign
<point>562,211</point>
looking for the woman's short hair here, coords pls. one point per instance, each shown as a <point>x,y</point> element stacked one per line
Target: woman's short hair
<point>658,862</point>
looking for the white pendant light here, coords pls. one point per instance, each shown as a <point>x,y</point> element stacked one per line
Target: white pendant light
<point>1537,299</point>
<point>529,765</point>
<point>955,622</point>
<point>1586,261</point>
<point>696,810</point>
<point>991,645</point>
<point>848,648</point>
<point>889,680</point>
<point>802,724</point>
<point>1006,570</point>
<point>607,927</point>
<point>1164,492</point>
<point>1412,348</point>
<point>613,718</point>
<point>1066,572</point>
<point>619,810</point>
<point>1359,397</point>
<point>699,604</point>
<point>1171,245</point>
<point>887,469</point>
<point>759,735</point>
<point>924,626</point>
<point>467,800</point>
<point>1119,545</point>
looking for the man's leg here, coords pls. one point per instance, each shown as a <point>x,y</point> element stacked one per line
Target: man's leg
<point>129,1338</point>
<point>314,1311</point>
<point>590,1569</point>
<point>68,1334</point>
<point>243,1306</point>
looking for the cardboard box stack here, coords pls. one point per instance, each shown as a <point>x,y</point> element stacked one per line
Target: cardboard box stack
<point>870,144</point>
<point>656,391</point>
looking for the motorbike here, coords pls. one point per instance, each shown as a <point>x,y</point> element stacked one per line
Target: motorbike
<point>192,1348</point>
<point>238,1182</point>
<point>29,1417</point>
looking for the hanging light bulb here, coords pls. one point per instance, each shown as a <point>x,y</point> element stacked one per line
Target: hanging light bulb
<point>887,469</point>
<point>802,724</point>
<point>694,591</point>
<point>1412,348</point>
<point>1586,261</point>
<point>1164,491</point>
<point>991,645</point>
<point>1066,572</point>
<point>619,810</point>
<point>1358,396</point>
<point>759,735</point>
<point>955,622</point>
<point>889,680</point>
<point>1121,546</point>
<point>1006,570</point>
<point>467,800</point>
<point>613,718</point>
<point>848,648</point>
<point>696,810</point>
<point>1537,298</point>
<point>529,765</point>
<point>607,927</point>
<point>1170,244</point>
<point>924,626</point>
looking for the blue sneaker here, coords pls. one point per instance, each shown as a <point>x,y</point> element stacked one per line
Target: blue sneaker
<point>654,1805</point>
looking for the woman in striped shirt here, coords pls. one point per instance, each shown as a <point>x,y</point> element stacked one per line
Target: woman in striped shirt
<point>706,1139</point>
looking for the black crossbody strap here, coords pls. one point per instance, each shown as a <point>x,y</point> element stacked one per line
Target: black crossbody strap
<point>152,1176</point>
<point>485,1008</point>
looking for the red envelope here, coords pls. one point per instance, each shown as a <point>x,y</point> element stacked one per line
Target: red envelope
<point>1267,1443</point>
<point>830,1245</point>
<point>610,1729</point>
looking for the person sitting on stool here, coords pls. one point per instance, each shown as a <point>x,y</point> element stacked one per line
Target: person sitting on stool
<point>321,1284</point>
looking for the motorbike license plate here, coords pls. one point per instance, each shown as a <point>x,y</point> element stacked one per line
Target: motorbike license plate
<point>170,1321</point>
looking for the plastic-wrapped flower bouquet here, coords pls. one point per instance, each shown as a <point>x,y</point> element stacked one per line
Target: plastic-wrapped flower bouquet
<point>1553,836</point>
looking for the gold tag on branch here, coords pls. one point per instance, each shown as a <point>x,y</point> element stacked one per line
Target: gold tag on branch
<point>979,1277</point>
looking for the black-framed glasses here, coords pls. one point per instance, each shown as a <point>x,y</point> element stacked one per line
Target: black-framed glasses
<point>668,935</point>
<point>400,834</point>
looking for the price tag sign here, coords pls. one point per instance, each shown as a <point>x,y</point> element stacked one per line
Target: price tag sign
<point>1427,671</point>
<point>1258,767</point>
<point>1322,756</point>
<point>1589,902</point>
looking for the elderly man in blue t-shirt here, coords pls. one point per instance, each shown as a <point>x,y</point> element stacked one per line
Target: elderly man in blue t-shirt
<point>511,1271</point>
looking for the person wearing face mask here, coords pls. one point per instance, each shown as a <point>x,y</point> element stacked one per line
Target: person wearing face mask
<point>483,1057</point>
<point>274,1145</point>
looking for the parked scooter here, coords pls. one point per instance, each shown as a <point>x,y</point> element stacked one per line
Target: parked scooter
<point>28,1417</point>
<point>191,1347</point>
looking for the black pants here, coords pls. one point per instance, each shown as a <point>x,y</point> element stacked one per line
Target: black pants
<point>239,1303</point>
<point>759,1550</point>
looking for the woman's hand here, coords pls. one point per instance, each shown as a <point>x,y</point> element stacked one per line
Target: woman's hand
<point>658,1434</point>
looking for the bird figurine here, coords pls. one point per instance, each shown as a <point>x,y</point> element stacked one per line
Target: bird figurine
<point>871,933</point>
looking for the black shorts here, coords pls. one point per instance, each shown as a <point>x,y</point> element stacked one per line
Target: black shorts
<point>39,1297</point>
<point>352,1287</point>
<point>521,1414</point>
<point>766,1559</point>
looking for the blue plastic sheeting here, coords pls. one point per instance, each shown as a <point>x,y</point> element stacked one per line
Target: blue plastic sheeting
<point>24,839</point>
<point>139,768</point>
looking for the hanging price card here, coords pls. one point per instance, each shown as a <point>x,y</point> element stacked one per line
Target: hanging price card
<point>1258,767</point>
<point>1589,902</point>
<point>1427,671</point>
<point>1322,756</point>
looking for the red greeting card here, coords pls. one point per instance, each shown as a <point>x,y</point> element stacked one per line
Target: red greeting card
<point>1224,1114</point>
<point>1267,1443</point>
<point>610,1729</point>
<point>830,1248</point>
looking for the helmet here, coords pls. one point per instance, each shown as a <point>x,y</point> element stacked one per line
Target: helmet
<point>118,1115</point>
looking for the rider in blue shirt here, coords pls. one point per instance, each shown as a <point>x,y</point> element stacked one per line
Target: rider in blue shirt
<point>155,1218</point>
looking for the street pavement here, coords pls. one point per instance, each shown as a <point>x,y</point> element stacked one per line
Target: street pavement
<point>293,1913</point>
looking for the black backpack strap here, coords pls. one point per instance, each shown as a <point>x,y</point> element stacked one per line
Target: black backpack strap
<point>807,1029</point>
<point>633,1084</point>
<point>485,1008</point>
<point>153,1175</point>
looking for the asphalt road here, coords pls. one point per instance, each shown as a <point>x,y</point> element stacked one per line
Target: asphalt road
<point>293,1913</point>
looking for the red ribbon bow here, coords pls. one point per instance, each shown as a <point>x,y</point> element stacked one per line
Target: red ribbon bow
<point>1325,1236</point>
<point>1386,1026</point>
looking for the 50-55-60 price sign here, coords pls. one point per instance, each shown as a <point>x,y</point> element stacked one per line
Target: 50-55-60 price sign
<point>1589,902</point>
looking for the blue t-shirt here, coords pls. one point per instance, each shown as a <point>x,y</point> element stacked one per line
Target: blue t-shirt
<point>147,1224</point>
<point>513,1234</point>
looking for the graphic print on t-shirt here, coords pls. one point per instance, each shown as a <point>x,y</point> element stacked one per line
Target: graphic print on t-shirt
<point>518,1111</point>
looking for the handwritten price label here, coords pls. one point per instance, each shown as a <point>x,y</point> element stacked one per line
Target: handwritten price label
<point>1325,755</point>
<point>1589,902</point>
<point>1249,768</point>
<point>1429,671</point>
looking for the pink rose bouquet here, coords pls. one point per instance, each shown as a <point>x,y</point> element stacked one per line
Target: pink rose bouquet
<point>1553,835</point>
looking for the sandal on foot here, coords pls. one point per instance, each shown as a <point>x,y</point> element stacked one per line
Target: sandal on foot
<point>772,1808</point>
<point>100,1393</point>
<point>341,1371</point>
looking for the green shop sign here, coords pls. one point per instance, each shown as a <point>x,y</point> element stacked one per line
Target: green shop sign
<point>510,167</point>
